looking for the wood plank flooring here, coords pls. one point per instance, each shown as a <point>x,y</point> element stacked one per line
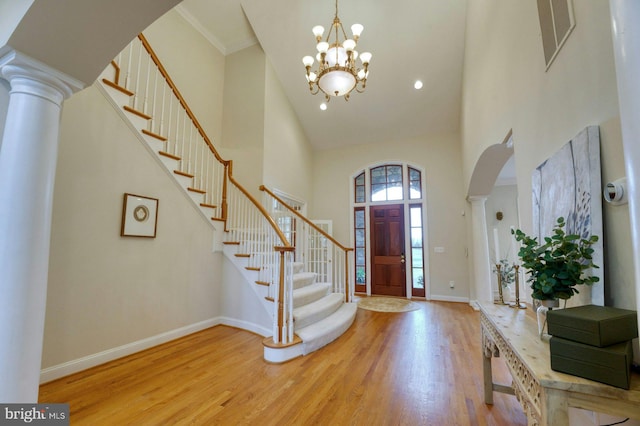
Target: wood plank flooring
<point>417,368</point>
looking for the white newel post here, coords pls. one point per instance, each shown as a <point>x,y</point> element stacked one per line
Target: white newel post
<point>481,289</point>
<point>27,171</point>
<point>625,25</point>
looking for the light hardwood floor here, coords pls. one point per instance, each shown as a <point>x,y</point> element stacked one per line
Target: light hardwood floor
<point>417,368</point>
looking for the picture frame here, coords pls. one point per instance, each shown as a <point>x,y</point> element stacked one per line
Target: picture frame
<point>139,216</point>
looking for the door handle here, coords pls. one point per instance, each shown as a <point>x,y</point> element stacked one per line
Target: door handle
<point>402,258</point>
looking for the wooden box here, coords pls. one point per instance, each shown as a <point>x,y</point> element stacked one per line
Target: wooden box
<point>593,325</point>
<point>610,365</point>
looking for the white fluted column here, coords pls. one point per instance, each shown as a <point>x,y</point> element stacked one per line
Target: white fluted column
<point>27,171</point>
<point>481,288</point>
<point>625,24</point>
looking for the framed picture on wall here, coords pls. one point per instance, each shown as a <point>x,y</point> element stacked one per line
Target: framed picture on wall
<point>139,216</point>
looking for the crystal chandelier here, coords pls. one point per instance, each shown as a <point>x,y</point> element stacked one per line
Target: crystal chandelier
<point>338,73</point>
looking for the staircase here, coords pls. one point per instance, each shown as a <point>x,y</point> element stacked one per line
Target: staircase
<point>309,300</point>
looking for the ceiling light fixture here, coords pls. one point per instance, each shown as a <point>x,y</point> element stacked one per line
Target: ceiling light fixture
<point>417,85</point>
<point>338,73</point>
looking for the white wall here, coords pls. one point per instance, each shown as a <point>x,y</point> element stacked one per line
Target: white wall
<point>506,87</point>
<point>620,290</point>
<point>440,157</point>
<point>287,153</point>
<point>106,290</point>
<point>11,12</point>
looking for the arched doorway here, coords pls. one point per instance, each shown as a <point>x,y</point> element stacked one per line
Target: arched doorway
<point>486,173</point>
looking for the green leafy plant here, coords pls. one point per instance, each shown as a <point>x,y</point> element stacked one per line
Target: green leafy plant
<point>556,266</point>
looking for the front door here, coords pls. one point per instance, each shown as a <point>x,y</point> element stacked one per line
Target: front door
<point>387,251</point>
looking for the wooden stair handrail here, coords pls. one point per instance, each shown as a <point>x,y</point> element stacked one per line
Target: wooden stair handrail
<point>304,219</point>
<point>176,92</point>
<point>260,207</point>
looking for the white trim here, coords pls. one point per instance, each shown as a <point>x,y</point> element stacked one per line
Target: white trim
<point>406,203</point>
<point>61,370</point>
<point>280,355</point>
<point>197,25</point>
<point>55,372</point>
<point>456,299</point>
<point>215,41</point>
<point>245,325</point>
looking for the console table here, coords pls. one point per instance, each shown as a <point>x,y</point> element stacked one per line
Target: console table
<point>545,395</point>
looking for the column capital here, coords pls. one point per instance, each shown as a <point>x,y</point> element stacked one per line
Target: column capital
<point>29,75</point>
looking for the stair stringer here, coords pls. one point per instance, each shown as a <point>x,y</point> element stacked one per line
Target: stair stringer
<point>250,277</point>
<point>136,124</point>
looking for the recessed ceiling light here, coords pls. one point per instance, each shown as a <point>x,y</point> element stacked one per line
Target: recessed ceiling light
<point>323,106</point>
<point>417,85</point>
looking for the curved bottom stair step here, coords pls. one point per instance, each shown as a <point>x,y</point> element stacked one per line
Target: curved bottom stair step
<point>327,330</point>
<point>316,311</point>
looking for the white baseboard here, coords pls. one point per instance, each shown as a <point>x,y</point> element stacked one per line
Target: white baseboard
<point>254,328</point>
<point>61,370</point>
<point>449,299</point>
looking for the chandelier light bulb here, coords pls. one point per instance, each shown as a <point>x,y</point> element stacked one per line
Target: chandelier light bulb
<point>349,45</point>
<point>318,30</point>
<point>365,57</point>
<point>312,77</point>
<point>322,47</point>
<point>323,106</point>
<point>307,61</point>
<point>356,30</point>
<point>417,85</point>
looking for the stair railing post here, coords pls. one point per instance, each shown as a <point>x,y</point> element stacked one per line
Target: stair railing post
<point>282,290</point>
<point>225,182</point>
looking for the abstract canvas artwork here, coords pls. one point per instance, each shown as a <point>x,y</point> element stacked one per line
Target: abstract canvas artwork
<point>568,184</point>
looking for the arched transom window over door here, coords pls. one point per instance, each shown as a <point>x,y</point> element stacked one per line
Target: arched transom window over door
<point>389,231</point>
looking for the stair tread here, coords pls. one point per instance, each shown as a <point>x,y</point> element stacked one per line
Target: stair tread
<point>303,279</point>
<point>316,311</point>
<point>311,293</point>
<point>321,333</point>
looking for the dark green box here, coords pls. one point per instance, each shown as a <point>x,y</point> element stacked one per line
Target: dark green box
<point>593,325</point>
<point>610,365</point>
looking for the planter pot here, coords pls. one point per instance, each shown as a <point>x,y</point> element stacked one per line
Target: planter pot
<point>541,315</point>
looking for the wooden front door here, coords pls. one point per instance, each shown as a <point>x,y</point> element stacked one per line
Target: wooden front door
<point>387,251</point>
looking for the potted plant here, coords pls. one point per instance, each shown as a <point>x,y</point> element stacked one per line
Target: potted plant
<point>557,265</point>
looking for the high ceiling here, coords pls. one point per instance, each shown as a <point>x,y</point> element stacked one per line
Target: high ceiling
<point>409,40</point>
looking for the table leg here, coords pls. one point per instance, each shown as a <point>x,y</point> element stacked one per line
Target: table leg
<point>488,377</point>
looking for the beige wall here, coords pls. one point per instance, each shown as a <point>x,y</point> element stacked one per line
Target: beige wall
<point>506,87</point>
<point>287,152</point>
<point>189,58</point>
<point>243,118</point>
<point>440,157</point>
<point>106,290</point>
